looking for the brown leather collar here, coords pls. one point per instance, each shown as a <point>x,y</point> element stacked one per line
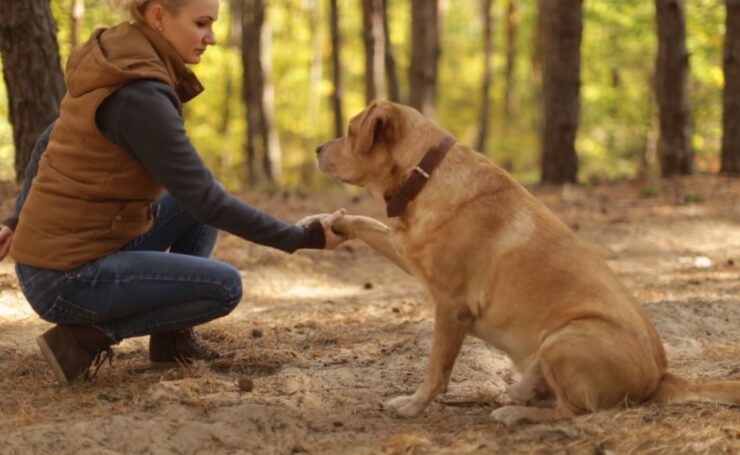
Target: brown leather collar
<point>407,192</point>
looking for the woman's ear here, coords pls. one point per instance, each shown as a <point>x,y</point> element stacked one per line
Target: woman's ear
<point>154,15</point>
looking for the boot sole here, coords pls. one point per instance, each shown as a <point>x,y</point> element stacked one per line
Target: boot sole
<point>52,360</point>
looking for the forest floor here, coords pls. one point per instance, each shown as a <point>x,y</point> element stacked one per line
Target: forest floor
<point>321,339</point>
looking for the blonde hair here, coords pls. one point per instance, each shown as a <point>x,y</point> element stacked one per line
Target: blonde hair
<point>137,8</point>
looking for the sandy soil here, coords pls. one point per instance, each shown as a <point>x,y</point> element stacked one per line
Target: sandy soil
<point>322,338</point>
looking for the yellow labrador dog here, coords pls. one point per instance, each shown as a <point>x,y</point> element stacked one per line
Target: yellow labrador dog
<point>499,265</point>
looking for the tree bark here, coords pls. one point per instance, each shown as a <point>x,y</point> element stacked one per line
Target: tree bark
<point>487,75</point>
<point>512,27</point>
<point>374,40</point>
<point>32,72</point>
<point>390,61</point>
<point>252,87</point>
<point>731,94</point>
<point>425,52</point>
<point>671,89</point>
<point>562,25</point>
<point>315,68</point>
<point>336,46</point>
<point>272,159</point>
<point>258,95</point>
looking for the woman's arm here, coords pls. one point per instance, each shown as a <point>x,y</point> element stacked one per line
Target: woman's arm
<point>7,226</point>
<point>143,118</point>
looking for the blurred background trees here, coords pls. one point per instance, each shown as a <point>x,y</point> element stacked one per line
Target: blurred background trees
<point>554,90</point>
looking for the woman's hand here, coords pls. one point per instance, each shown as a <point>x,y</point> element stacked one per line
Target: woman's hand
<point>6,238</point>
<point>332,238</point>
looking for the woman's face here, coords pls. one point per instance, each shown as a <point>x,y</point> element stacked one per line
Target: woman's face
<point>189,31</point>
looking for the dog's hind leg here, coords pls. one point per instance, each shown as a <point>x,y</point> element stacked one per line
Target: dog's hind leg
<point>532,388</point>
<point>512,415</point>
<point>588,365</point>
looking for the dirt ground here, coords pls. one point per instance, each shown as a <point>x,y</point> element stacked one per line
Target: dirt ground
<point>321,339</point>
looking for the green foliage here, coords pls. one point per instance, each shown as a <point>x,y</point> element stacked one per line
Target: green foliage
<point>618,113</point>
<point>693,197</point>
<point>649,191</point>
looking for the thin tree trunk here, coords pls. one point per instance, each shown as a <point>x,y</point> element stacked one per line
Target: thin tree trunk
<point>76,14</point>
<point>536,77</point>
<point>390,61</point>
<point>336,46</point>
<point>671,89</point>
<point>425,52</point>
<point>511,48</point>
<point>233,41</point>
<point>562,25</point>
<point>374,40</point>
<point>272,160</point>
<point>31,70</point>
<point>487,71</point>
<point>252,87</point>
<point>731,94</point>
<point>315,67</point>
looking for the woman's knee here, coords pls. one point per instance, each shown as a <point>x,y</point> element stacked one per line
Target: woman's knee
<point>233,285</point>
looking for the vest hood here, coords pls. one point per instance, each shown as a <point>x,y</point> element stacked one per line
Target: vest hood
<point>127,52</point>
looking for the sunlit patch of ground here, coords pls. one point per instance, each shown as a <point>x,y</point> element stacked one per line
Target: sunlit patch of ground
<point>322,338</point>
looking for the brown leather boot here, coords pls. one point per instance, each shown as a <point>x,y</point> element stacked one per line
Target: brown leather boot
<point>179,346</point>
<point>71,350</point>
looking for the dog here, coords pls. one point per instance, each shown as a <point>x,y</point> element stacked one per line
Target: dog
<point>500,266</point>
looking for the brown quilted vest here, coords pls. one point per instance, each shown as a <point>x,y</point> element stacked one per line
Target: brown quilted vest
<point>90,196</point>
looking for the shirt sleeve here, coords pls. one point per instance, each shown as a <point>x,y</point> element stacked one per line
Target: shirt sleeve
<point>143,118</point>
<point>31,170</point>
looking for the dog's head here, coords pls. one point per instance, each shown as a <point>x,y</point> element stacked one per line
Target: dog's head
<point>382,144</point>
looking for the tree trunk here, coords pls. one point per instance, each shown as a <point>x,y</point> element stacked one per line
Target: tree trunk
<point>374,39</point>
<point>731,94</point>
<point>272,159</point>
<point>258,95</point>
<point>511,34</point>
<point>234,40</point>
<point>32,72</point>
<point>485,95</point>
<point>315,67</point>
<point>252,87</point>
<point>336,46</point>
<point>390,61</point>
<point>425,52</point>
<point>671,89</point>
<point>562,25</point>
<point>76,14</point>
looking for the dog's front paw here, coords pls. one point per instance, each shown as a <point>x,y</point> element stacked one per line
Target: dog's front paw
<point>509,415</point>
<point>405,405</point>
<point>306,220</point>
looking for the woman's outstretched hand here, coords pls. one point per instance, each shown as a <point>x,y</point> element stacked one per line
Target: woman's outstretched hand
<point>332,238</point>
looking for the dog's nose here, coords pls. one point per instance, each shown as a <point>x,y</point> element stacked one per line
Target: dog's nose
<point>319,148</point>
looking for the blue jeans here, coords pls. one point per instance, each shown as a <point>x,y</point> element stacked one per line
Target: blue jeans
<point>141,289</point>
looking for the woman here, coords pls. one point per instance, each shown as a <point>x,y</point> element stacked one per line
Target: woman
<point>100,250</point>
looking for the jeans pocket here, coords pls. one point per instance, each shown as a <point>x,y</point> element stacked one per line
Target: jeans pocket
<point>62,311</point>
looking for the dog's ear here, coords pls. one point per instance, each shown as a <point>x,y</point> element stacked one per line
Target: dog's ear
<point>381,122</point>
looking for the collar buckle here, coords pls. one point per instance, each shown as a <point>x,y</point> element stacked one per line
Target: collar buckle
<point>423,173</point>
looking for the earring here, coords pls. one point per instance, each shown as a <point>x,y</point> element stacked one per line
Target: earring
<point>160,29</point>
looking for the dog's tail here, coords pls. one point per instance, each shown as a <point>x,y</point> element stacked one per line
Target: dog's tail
<point>674,389</point>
